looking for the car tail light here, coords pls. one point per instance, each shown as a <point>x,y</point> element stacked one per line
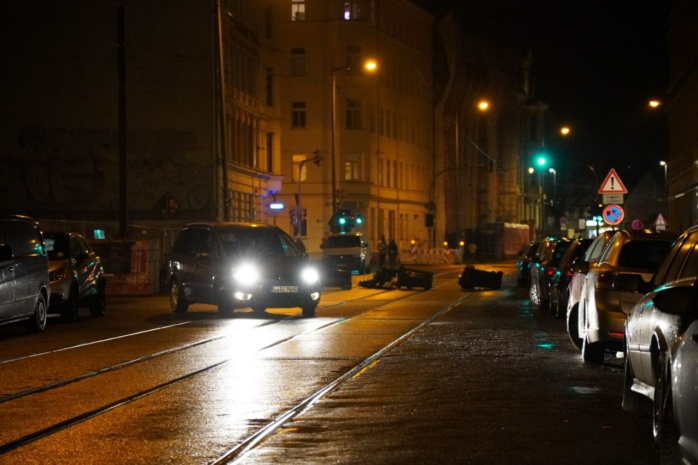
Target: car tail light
<point>605,279</point>
<point>569,273</point>
<point>619,335</point>
<point>550,270</point>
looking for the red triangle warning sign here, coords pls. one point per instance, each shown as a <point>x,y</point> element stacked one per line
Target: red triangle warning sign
<point>612,184</point>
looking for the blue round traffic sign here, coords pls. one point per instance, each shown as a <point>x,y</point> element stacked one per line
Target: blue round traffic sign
<point>613,214</point>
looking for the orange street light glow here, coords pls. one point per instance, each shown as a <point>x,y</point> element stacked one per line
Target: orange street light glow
<point>483,105</point>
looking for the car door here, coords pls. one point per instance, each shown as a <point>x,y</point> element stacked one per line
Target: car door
<point>204,267</point>
<point>30,263</point>
<point>7,283</point>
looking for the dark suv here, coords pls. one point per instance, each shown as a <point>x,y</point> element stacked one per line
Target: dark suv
<point>24,280</point>
<point>240,265</point>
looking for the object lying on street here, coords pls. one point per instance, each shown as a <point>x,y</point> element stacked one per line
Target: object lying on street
<point>401,277</point>
<point>336,277</point>
<point>472,278</point>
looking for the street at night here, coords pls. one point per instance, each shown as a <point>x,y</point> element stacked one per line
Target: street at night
<point>378,376</point>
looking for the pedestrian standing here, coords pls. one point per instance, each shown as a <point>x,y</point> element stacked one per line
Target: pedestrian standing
<point>392,253</point>
<point>382,250</point>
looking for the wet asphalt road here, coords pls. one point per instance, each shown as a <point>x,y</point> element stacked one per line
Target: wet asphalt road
<point>492,381</point>
<point>458,377</point>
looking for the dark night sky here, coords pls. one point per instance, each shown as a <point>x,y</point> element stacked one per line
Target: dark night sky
<point>597,62</point>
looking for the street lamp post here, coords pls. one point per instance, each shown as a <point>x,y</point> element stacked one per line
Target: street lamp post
<point>369,65</point>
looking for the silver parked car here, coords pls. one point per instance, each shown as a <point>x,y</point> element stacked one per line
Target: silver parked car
<point>655,327</point>
<point>77,276</point>
<point>24,281</point>
<point>603,307</point>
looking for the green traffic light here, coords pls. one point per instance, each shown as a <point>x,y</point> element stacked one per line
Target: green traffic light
<point>541,161</point>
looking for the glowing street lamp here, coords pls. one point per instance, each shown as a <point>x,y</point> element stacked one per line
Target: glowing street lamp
<point>483,105</point>
<point>565,130</point>
<point>370,66</point>
<point>654,103</point>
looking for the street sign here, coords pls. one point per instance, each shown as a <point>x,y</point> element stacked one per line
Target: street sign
<point>613,198</point>
<point>660,223</point>
<point>612,184</point>
<point>613,214</point>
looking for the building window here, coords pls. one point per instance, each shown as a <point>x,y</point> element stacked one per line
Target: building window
<point>352,167</point>
<point>352,10</point>
<point>297,115</point>
<point>299,168</point>
<point>297,10</point>
<point>298,61</point>
<point>352,58</point>
<point>270,152</point>
<point>353,113</point>
<point>269,87</point>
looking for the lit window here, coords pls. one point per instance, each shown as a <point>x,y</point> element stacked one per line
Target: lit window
<point>299,168</point>
<point>352,10</point>
<point>297,10</point>
<point>352,167</point>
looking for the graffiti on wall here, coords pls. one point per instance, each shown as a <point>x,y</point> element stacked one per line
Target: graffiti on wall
<point>54,171</point>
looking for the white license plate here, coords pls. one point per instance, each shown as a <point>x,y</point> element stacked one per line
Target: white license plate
<point>284,289</point>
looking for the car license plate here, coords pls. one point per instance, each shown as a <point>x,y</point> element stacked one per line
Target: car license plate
<point>284,289</point>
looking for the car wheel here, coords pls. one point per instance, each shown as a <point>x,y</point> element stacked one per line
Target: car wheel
<point>632,401</point>
<point>665,432</point>
<point>573,327</point>
<point>69,310</point>
<point>99,305</point>
<point>534,294</point>
<point>592,352</point>
<point>178,302</point>
<point>309,311</point>
<point>38,321</point>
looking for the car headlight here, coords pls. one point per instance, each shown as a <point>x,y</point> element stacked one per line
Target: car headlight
<point>58,274</point>
<point>246,274</point>
<point>310,275</point>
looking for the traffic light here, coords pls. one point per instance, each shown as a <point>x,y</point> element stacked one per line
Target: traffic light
<point>342,221</point>
<point>540,160</point>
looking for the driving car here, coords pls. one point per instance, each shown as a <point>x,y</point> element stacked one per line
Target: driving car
<point>602,306</point>
<point>347,251</point>
<point>559,281</point>
<point>574,288</point>
<point>77,276</point>
<point>543,266</point>
<point>240,265</point>
<point>24,279</point>
<point>656,324</point>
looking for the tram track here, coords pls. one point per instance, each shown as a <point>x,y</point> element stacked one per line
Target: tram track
<point>265,431</point>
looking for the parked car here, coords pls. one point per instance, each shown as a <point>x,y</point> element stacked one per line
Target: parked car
<point>681,405</point>
<point>240,265</point>
<point>560,280</point>
<point>523,278</point>
<point>603,307</point>
<point>24,280</point>
<point>574,288</point>
<point>348,251</point>
<point>673,395</point>
<point>656,325</point>
<point>543,266</point>
<point>77,276</point>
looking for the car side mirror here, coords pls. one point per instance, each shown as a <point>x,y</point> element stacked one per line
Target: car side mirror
<point>5,252</point>
<point>678,300</point>
<point>581,266</point>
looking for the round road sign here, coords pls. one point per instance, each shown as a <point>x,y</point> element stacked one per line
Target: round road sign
<point>613,214</point>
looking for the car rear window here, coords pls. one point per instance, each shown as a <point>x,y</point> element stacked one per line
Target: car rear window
<point>643,255</point>
<point>343,241</point>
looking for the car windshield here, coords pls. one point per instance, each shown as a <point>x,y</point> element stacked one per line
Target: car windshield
<point>643,255</point>
<point>258,243</point>
<point>57,246</point>
<point>343,241</point>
